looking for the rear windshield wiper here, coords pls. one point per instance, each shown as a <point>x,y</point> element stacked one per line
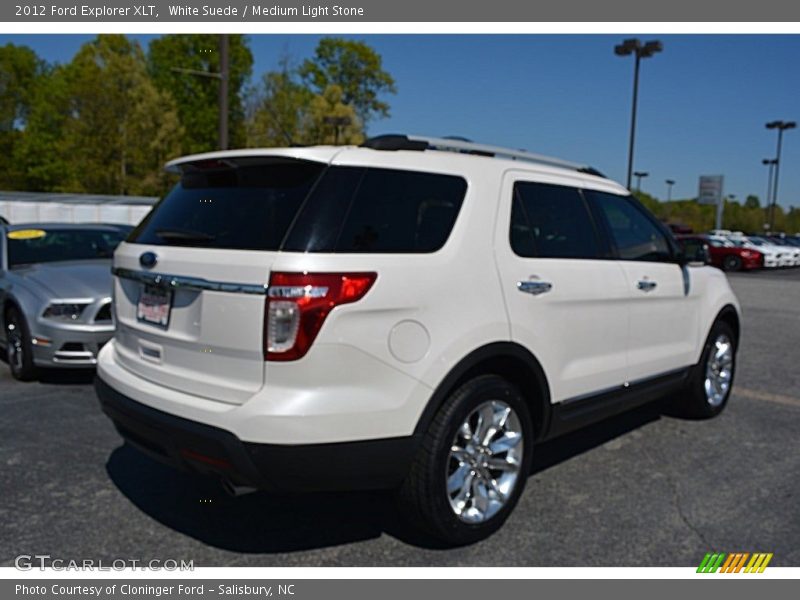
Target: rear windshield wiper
<point>184,235</point>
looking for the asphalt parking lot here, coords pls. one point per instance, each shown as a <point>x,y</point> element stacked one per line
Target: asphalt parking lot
<point>643,489</point>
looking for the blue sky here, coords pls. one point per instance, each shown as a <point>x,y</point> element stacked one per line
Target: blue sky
<point>703,101</point>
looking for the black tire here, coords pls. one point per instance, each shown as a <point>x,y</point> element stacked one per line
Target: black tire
<point>731,263</point>
<point>19,355</point>
<point>423,499</point>
<point>694,401</point>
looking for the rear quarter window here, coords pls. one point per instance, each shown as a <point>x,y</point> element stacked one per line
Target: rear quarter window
<point>369,210</point>
<point>551,221</point>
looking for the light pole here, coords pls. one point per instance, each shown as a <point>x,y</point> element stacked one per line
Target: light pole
<point>770,162</point>
<point>670,183</point>
<point>781,126</point>
<point>639,176</point>
<point>639,50</point>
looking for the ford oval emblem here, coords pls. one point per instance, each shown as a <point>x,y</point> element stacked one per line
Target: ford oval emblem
<point>148,260</point>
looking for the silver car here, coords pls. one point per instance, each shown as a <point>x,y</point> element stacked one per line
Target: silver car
<point>55,293</point>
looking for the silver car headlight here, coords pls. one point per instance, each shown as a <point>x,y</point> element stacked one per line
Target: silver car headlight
<point>64,311</point>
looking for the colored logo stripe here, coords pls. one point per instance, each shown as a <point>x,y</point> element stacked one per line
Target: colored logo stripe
<point>758,563</point>
<point>711,562</point>
<point>734,562</point>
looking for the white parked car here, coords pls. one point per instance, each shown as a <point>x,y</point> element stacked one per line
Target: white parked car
<point>786,247</point>
<point>416,314</point>
<point>774,255</point>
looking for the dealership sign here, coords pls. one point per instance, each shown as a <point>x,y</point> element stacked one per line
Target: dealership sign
<point>710,189</point>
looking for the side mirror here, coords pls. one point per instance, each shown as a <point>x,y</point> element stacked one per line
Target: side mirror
<point>693,253</point>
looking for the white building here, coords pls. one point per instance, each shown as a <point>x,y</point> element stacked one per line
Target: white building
<point>25,207</point>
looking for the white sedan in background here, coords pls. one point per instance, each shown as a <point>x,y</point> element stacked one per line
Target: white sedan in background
<point>774,256</point>
<point>788,255</point>
<point>787,246</point>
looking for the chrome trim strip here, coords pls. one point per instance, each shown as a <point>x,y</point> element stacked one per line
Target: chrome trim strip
<point>173,282</point>
<point>588,395</point>
<point>623,386</point>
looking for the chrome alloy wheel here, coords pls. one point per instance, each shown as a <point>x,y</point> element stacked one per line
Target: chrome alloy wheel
<point>484,463</point>
<point>16,351</point>
<point>719,370</point>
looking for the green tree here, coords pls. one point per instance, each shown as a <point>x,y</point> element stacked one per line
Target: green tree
<point>39,153</point>
<point>752,201</point>
<point>357,69</point>
<point>324,113</point>
<point>21,70</point>
<point>197,97</point>
<point>792,225</point>
<point>277,109</point>
<point>649,201</point>
<point>100,125</point>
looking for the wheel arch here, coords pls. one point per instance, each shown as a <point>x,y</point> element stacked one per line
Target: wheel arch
<point>508,360</point>
<point>8,303</point>
<point>25,300</point>
<point>5,305</point>
<point>729,315</point>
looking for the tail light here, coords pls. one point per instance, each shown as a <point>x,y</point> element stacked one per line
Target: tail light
<point>298,303</point>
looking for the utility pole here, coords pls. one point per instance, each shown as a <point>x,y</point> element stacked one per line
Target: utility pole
<point>770,162</point>
<point>337,123</point>
<point>781,126</point>
<point>224,77</point>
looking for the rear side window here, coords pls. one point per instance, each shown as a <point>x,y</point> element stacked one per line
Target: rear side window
<point>551,221</point>
<point>355,209</point>
<point>244,204</point>
<point>636,235</point>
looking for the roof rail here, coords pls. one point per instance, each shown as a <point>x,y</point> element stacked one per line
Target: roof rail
<point>464,146</point>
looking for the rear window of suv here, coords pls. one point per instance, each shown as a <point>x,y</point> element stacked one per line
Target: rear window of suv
<point>303,206</point>
<point>243,205</point>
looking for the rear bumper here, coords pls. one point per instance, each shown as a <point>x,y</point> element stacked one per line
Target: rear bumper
<point>189,445</point>
<point>317,400</point>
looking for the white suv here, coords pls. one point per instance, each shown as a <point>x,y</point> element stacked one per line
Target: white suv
<point>415,314</point>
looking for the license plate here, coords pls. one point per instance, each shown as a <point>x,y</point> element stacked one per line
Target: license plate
<point>154,306</point>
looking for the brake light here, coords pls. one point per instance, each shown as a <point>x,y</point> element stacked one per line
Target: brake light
<point>298,303</point>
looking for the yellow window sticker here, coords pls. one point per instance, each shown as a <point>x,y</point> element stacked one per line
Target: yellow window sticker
<point>26,234</point>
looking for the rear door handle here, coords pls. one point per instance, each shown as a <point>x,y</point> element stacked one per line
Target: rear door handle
<point>534,287</point>
<point>646,285</point>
